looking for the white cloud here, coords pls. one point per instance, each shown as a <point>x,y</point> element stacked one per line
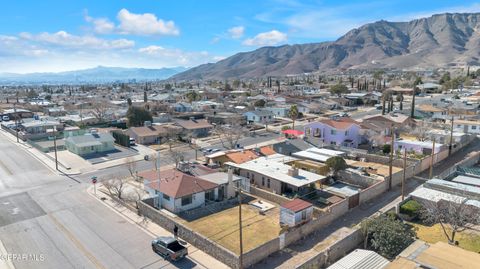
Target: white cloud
<point>271,38</point>
<point>144,24</point>
<point>64,39</point>
<point>236,32</point>
<point>101,25</point>
<point>177,56</point>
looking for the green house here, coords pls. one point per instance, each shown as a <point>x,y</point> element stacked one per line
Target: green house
<point>90,143</point>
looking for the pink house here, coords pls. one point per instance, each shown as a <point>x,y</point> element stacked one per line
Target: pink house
<point>339,132</point>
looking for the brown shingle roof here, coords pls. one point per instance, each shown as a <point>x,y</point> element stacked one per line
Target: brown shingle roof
<point>241,156</point>
<point>194,124</point>
<point>296,205</point>
<point>148,130</point>
<point>175,183</point>
<point>267,151</point>
<point>342,123</point>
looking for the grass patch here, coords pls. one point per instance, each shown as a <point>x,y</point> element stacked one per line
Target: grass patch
<point>223,227</point>
<point>468,239</point>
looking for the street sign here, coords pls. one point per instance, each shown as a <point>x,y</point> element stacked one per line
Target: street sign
<point>94,180</point>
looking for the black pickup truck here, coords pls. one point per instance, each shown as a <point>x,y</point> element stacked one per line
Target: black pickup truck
<point>169,248</point>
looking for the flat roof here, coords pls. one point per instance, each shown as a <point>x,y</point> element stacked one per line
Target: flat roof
<point>436,196</point>
<point>467,180</point>
<point>424,144</point>
<point>279,171</point>
<point>219,177</point>
<point>318,154</point>
<point>342,189</point>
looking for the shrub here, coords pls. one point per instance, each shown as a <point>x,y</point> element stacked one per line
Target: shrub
<point>411,208</point>
<point>386,149</point>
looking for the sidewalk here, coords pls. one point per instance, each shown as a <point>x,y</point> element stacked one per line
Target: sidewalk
<point>155,230</point>
<point>42,157</point>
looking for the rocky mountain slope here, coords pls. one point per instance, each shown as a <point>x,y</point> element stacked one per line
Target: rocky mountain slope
<point>436,41</point>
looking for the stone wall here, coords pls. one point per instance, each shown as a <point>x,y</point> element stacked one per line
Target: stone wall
<point>357,179</point>
<point>261,252</point>
<point>334,252</point>
<point>208,246</point>
<point>373,191</point>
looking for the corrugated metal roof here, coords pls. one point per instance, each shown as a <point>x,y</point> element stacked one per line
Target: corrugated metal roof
<point>361,259</point>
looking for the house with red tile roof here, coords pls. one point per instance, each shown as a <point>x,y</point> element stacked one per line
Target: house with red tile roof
<point>176,191</point>
<point>337,132</point>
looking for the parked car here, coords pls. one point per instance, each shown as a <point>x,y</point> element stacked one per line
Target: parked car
<point>169,248</point>
<point>5,118</point>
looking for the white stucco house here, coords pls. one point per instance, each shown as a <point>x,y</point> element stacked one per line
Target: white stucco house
<point>176,191</point>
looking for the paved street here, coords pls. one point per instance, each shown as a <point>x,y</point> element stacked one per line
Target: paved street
<point>54,220</point>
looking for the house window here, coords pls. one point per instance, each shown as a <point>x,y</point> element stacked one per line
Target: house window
<point>92,148</point>
<point>333,132</point>
<point>474,127</point>
<point>459,126</point>
<point>304,214</point>
<point>263,181</point>
<point>333,143</point>
<point>166,197</point>
<point>268,182</point>
<point>346,133</point>
<point>186,200</point>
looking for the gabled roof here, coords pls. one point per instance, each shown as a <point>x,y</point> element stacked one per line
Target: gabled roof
<point>267,151</point>
<point>342,123</point>
<point>241,156</point>
<point>194,124</point>
<point>148,130</point>
<point>175,183</point>
<point>297,205</point>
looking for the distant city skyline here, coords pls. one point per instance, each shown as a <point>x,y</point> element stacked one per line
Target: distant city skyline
<point>54,36</point>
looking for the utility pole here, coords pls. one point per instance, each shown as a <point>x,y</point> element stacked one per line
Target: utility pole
<point>390,167</point>
<point>430,174</point>
<point>16,120</point>
<point>404,172</point>
<point>55,146</point>
<point>451,140</point>
<point>240,260</point>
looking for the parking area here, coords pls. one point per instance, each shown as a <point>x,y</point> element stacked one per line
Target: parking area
<point>118,153</point>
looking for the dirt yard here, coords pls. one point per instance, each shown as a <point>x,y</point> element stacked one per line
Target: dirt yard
<point>223,227</point>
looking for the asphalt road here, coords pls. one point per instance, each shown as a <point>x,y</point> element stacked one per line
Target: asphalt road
<point>55,223</point>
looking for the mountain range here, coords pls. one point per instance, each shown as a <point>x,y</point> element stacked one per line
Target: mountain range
<point>100,74</point>
<point>437,41</point>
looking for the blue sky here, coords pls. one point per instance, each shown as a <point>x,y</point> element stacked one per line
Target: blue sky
<point>48,35</point>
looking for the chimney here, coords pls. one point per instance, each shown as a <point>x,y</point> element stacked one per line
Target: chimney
<point>293,172</point>
<point>230,186</point>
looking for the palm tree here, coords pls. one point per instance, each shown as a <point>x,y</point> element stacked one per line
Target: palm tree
<point>293,114</point>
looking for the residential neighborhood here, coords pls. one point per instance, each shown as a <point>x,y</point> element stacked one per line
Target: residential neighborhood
<point>360,151</point>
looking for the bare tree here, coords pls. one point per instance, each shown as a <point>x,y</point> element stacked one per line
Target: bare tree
<point>99,111</point>
<point>176,156</point>
<point>135,196</point>
<point>453,216</point>
<point>116,186</point>
<point>422,131</point>
<point>131,166</point>
<point>230,135</point>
